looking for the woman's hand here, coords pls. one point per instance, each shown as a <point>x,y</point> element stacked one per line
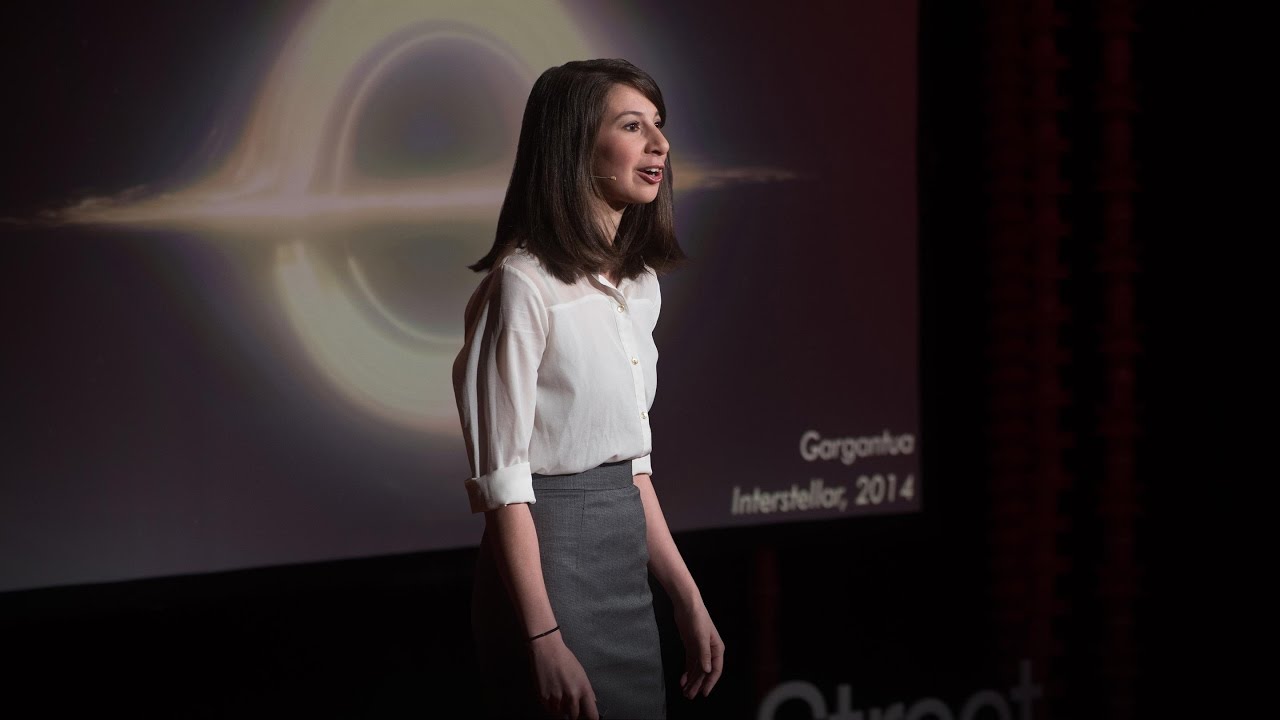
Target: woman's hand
<point>703,649</point>
<point>563,687</point>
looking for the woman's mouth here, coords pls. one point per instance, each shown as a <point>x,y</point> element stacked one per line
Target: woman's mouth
<point>651,175</point>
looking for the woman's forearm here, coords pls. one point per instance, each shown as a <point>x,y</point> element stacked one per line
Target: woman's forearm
<point>665,561</point>
<point>515,544</point>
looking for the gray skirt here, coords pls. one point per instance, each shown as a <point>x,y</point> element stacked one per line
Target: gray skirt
<point>591,537</point>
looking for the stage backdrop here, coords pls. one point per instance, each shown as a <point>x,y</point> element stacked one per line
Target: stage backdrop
<point>237,236</point>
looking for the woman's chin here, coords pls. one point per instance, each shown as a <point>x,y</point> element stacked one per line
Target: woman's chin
<point>646,196</point>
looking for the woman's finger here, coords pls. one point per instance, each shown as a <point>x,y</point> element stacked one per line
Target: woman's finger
<point>717,667</point>
<point>711,679</point>
<point>696,676</point>
<point>704,656</point>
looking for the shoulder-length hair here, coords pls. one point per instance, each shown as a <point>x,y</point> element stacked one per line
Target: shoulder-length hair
<point>550,201</point>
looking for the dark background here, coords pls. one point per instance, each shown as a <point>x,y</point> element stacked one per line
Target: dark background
<point>1074,534</point>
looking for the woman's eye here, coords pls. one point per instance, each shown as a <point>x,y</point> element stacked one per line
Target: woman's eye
<point>631,126</point>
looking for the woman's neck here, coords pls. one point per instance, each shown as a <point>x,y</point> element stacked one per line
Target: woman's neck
<point>610,217</point>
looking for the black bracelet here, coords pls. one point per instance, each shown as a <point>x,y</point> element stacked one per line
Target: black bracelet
<point>535,637</point>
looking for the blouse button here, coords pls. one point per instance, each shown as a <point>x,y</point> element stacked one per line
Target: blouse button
<point>635,361</point>
<point>620,308</point>
<point>644,416</point>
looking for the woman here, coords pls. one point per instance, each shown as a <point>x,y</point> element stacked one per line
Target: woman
<point>554,386</point>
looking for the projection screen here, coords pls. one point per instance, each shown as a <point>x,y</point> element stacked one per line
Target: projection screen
<point>240,234</point>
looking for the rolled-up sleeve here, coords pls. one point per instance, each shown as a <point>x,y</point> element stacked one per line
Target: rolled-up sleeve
<point>642,466</point>
<point>495,383</point>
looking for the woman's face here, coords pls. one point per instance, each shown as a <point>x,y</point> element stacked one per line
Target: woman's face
<point>630,147</point>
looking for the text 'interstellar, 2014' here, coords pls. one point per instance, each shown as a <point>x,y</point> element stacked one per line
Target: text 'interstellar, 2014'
<point>869,489</point>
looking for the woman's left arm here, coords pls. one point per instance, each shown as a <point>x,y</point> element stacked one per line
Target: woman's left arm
<point>704,650</point>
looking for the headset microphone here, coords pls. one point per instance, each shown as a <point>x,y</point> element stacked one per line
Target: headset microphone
<point>606,177</point>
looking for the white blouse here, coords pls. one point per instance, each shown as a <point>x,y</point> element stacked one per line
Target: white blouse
<point>554,378</point>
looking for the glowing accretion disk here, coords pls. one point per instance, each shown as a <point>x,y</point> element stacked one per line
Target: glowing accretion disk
<point>405,380</point>
<point>292,173</point>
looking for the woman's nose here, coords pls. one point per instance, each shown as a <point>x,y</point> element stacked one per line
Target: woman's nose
<point>658,144</point>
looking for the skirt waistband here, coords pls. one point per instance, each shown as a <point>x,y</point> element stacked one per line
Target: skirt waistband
<point>602,477</point>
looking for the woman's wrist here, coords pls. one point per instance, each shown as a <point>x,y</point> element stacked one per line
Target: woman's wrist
<point>544,633</point>
<point>545,644</point>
